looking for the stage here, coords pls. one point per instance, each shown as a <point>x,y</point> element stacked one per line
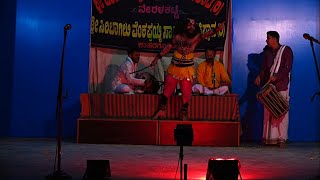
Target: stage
<point>33,159</point>
<point>118,128</point>
<point>126,119</point>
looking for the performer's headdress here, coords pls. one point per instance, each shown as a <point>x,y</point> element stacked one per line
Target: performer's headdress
<point>191,20</point>
<point>180,27</point>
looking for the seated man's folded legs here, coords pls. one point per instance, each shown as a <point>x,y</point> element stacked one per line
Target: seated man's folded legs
<point>198,88</point>
<point>221,90</point>
<point>123,88</point>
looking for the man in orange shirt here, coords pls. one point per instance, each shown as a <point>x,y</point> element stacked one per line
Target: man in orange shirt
<point>212,76</point>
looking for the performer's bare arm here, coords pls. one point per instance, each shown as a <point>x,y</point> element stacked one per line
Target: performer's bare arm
<point>164,51</point>
<point>209,33</point>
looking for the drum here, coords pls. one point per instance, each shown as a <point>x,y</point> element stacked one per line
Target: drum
<point>155,85</point>
<point>273,101</point>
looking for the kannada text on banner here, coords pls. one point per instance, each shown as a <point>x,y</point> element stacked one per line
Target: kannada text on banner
<point>149,24</point>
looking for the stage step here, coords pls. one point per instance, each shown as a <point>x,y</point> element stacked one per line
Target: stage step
<point>155,132</point>
<point>117,131</point>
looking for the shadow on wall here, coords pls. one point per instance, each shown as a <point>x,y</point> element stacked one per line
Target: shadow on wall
<point>105,86</point>
<point>252,119</point>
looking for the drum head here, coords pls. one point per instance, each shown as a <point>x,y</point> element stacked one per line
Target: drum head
<point>153,89</point>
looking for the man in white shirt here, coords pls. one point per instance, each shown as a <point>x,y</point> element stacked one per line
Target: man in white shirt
<point>125,80</point>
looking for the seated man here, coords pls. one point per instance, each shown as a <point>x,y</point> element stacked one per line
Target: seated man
<point>212,76</point>
<point>125,80</point>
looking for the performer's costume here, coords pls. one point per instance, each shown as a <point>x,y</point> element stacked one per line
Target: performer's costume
<point>181,70</point>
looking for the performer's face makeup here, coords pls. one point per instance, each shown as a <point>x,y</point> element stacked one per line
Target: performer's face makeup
<point>191,26</point>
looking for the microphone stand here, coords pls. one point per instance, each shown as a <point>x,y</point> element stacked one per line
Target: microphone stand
<point>183,171</point>
<point>317,68</point>
<point>59,174</point>
<point>181,160</point>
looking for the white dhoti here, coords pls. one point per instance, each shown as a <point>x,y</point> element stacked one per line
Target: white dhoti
<point>123,88</point>
<point>198,88</point>
<point>126,89</point>
<point>276,129</point>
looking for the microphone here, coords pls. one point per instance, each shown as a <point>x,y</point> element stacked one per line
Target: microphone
<point>67,27</point>
<point>308,37</point>
<point>214,80</point>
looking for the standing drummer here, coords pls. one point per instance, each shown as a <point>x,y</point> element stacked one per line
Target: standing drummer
<point>125,80</point>
<point>276,69</point>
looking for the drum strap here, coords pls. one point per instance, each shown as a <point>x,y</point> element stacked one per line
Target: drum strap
<point>277,61</point>
<point>141,69</point>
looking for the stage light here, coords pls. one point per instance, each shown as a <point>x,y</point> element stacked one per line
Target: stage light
<point>97,170</point>
<point>222,169</point>
<point>183,134</point>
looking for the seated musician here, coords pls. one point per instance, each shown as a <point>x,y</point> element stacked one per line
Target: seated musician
<point>212,77</point>
<point>125,80</point>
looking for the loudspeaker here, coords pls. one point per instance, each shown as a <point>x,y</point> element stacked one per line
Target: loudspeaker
<point>222,169</point>
<point>183,134</point>
<point>97,170</point>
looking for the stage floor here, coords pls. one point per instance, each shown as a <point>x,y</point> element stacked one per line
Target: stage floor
<point>34,159</point>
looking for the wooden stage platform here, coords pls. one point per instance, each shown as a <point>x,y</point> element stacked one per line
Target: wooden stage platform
<point>126,119</point>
